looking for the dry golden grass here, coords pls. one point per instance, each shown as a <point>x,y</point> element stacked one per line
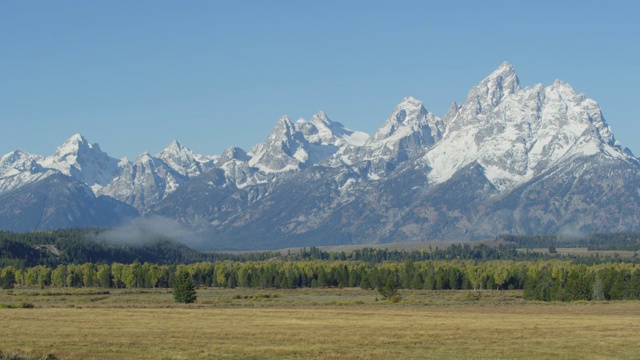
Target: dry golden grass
<point>223,324</point>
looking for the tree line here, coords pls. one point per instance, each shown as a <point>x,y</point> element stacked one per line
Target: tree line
<point>552,280</point>
<point>594,242</point>
<point>78,246</point>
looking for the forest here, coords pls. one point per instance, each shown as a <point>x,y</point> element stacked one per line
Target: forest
<point>82,261</point>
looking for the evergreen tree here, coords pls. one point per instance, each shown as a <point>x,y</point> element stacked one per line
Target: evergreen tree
<point>7,277</point>
<point>184,290</point>
<point>390,288</point>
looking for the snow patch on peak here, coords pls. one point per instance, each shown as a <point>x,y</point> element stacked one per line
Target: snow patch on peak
<point>19,168</point>
<point>175,146</point>
<point>408,113</point>
<point>233,153</point>
<point>18,161</point>
<point>183,160</point>
<point>334,133</point>
<point>563,90</point>
<point>277,152</point>
<point>495,87</point>
<point>83,161</point>
<point>285,126</point>
<point>145,156</point>
<point>306,143</point>
<point>522,134</point>
<point>410,102</point>
<point>320,116</point>
<point>410,128</point>
<point>505,68</point>
<point>76,138</point>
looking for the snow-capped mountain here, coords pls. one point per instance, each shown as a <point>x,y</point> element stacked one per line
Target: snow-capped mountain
<point>184,161</point>
<point>410,128</point>
<point>538,159</point>
<point>508,159</point>
<point>19,168</point>
<point>292,147</point>
<point>84,162</point>
<point>515,134</point>
<point>409,131</point>
<point>150,179</point>
<point>285,149</point>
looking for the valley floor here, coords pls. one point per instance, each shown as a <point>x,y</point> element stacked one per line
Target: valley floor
<point>313,323</point>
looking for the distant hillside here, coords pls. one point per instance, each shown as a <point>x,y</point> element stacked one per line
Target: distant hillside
<point>76,246</point>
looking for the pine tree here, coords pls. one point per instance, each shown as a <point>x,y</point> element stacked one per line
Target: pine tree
<point>184,291</point>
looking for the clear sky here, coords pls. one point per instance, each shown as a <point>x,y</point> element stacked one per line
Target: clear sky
<point>135,75</point>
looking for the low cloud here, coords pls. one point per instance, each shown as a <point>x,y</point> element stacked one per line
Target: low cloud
<point>143,230</point>
<point>571,233</point>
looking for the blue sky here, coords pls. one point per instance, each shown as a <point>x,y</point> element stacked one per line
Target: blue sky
<point>134,75</point>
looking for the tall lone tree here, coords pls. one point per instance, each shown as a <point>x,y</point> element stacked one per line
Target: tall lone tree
<point>184,291</point>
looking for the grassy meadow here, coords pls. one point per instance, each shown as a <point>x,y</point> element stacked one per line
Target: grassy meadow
<point>312,323</point>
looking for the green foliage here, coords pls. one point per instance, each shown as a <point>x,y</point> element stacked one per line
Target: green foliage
<point>78,246</point>
<point>466,267</point>
<point>184,290</point>
<point>390,288</point>
<point>593,242</point>
<point>546,281</point>
<point>7,277</point>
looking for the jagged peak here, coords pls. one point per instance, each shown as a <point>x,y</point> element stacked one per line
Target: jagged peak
<point>17,154</point>
<point>410,114</point>
<point>77,138</point>
<point>283,135</point>
<point>144,157</point>
<point>492,89</point>
<point>284,127</point>
<point>563,89</point>
<point>321,121</point>
<point>321,117</point>
<point>75,142</point>
<point>451,113</point>
<point>17,157</point>
<point>321,114</point>
<point>505,68</point>
<point>232,153</point>
<point>175,144</point>
<point>284,121</point>
<point>409,110</point>
<point>77,145</point>
<point>409,102</point>
<point>175,148</point>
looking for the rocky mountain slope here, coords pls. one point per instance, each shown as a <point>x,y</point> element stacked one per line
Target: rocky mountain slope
<point>507,160</point>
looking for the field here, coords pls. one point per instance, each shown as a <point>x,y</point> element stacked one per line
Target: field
<point>313,323</point>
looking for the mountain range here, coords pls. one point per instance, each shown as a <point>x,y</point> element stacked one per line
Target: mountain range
<point>508,160</point>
